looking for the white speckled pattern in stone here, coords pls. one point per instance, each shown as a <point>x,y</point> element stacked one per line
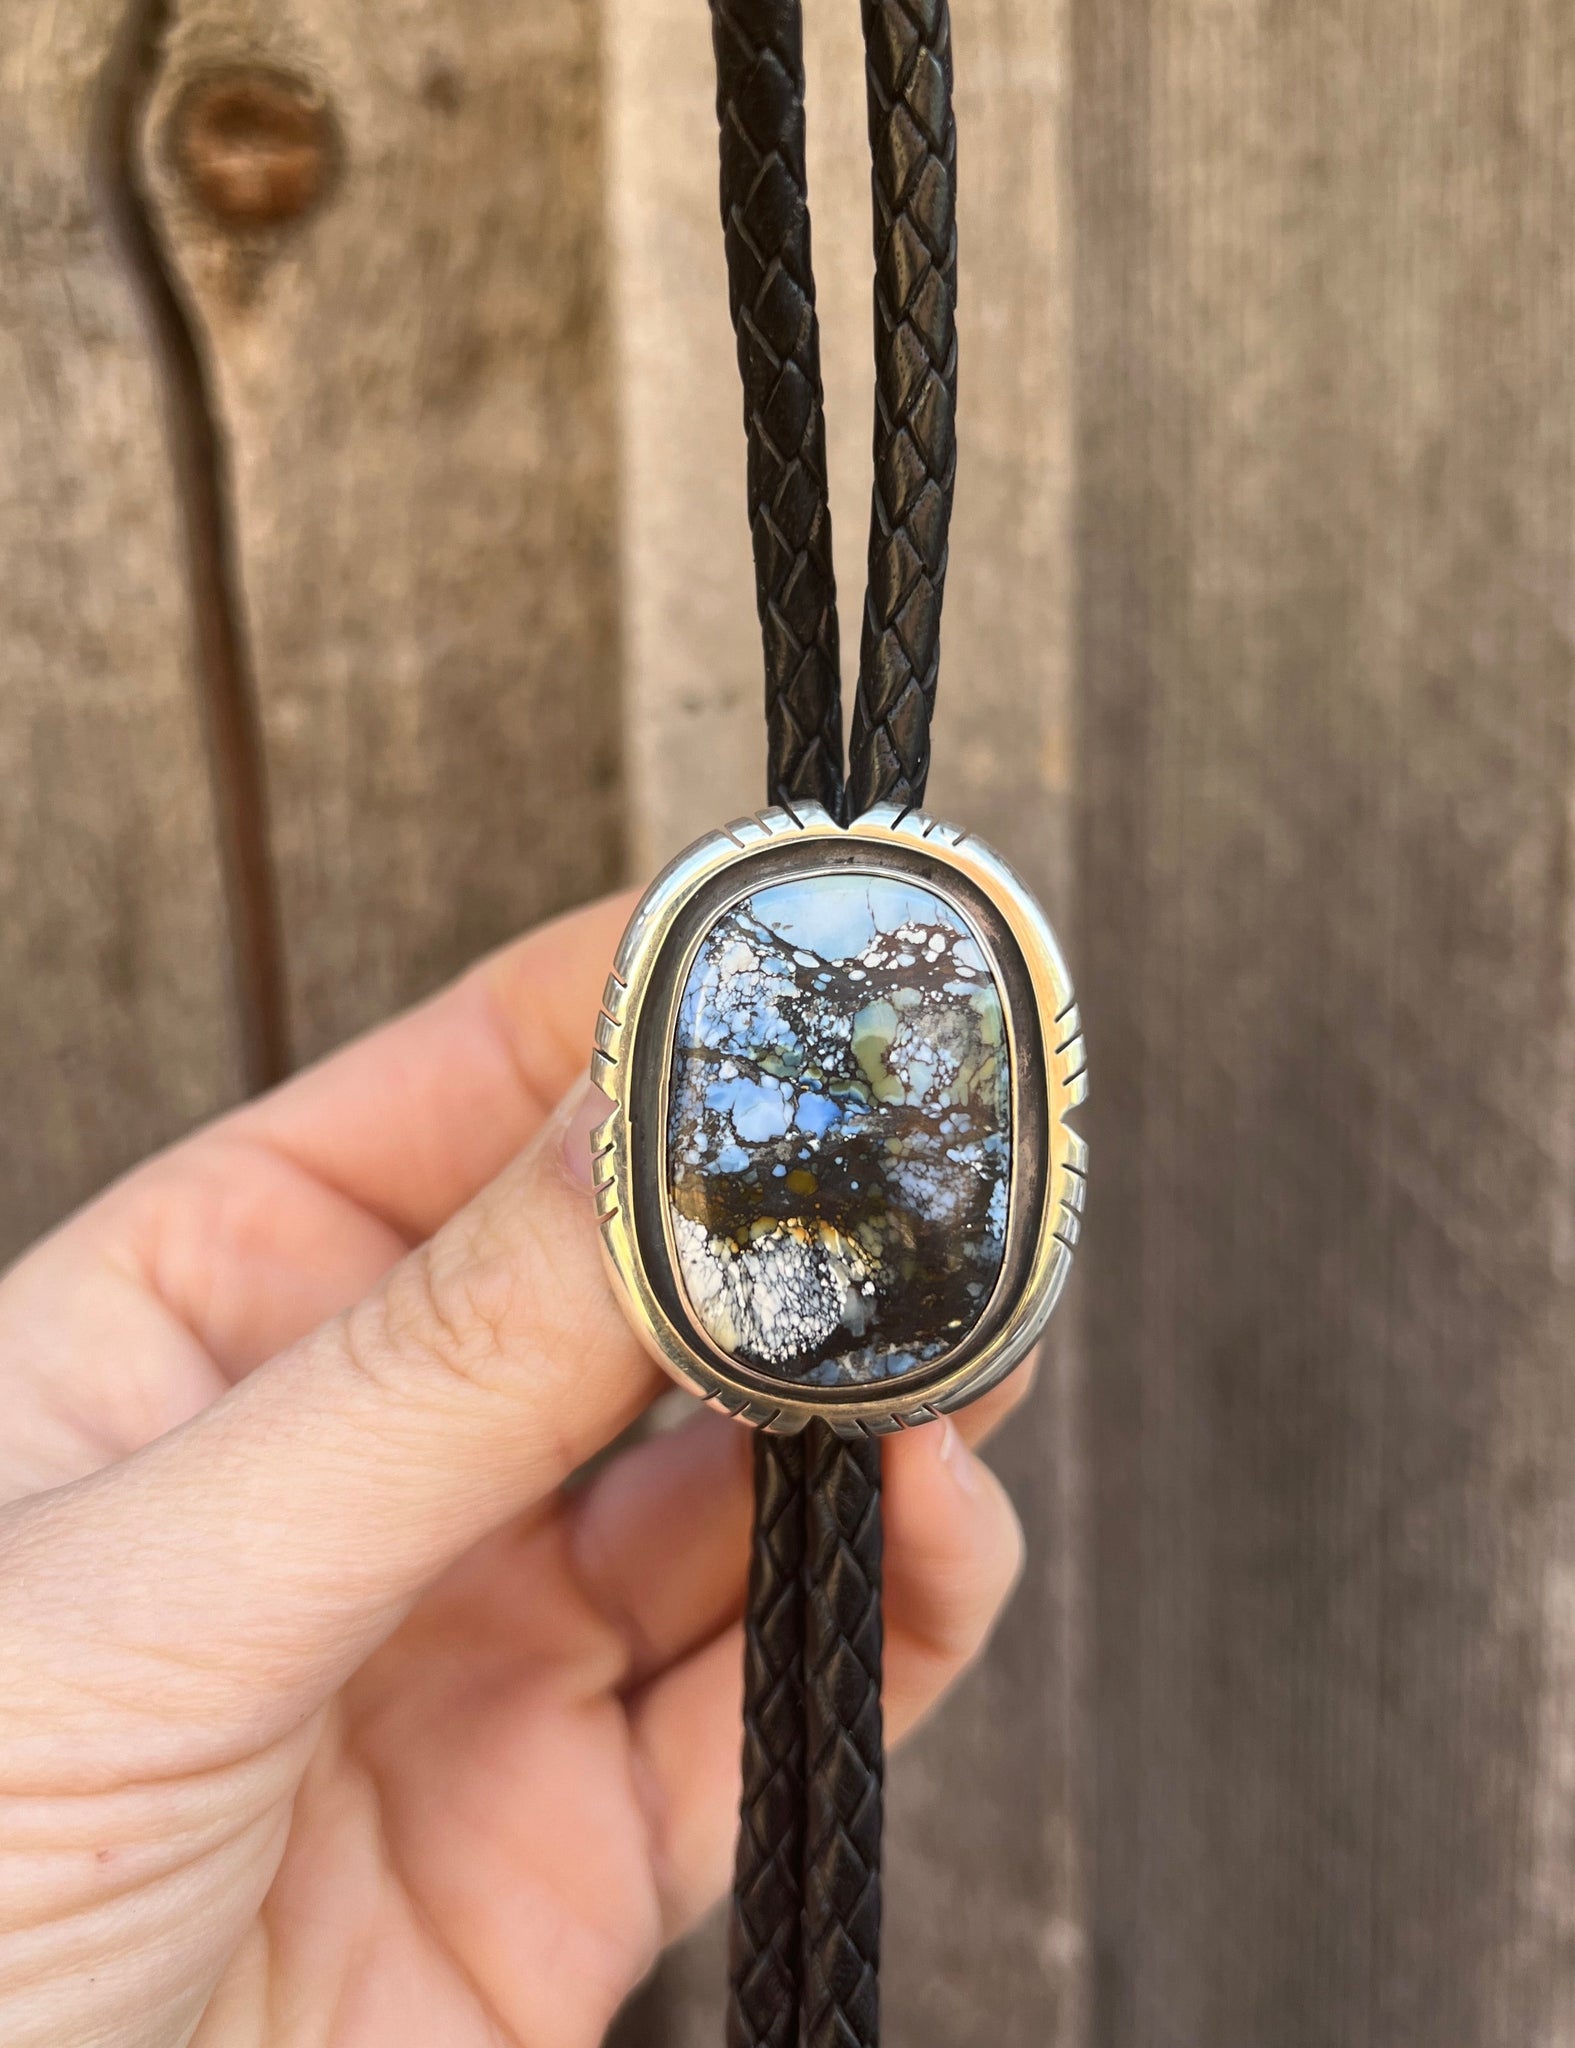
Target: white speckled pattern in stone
<point>839,1129</point>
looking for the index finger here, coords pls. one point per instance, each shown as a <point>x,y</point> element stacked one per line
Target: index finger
<point>413,1120</point>
<point>277,1216</point>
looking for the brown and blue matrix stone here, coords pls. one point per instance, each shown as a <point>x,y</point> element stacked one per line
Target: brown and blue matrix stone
<point>839,1131</point>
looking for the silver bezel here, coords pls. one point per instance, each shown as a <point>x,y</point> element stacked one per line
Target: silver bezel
<point>632,1059</point>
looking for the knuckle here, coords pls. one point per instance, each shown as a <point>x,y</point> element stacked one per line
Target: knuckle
<point>442,1318</point>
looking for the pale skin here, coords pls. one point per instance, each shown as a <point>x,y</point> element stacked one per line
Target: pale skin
<point>330,1713</point>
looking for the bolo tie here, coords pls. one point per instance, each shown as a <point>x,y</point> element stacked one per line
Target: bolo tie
<point>836,1185</point>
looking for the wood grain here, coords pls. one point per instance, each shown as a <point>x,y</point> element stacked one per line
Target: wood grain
<point>693,687</point>
<point>116,1020</point>
<point>1258,660</point>
<point>1326,277</point>
<point>413,379</point>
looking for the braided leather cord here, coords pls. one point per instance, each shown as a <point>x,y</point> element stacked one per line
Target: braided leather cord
<point>764,1952</point>
<point>913,142</point>
<point>759,48</point>
<point>804,1945</point>
<point>842,1570</point>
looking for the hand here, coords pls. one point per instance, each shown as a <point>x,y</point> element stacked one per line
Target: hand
<point>334,1708</point>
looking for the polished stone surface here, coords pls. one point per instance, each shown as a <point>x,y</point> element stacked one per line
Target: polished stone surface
<point>839,1129</point>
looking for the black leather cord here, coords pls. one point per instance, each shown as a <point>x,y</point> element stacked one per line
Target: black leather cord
<point>842,1624</point>
<point>771,289</point>
<point>913,144</point>
<point>804,1944</point>
<point>765,1963</point>
<point>804,1936</point>
<point>759,47</point>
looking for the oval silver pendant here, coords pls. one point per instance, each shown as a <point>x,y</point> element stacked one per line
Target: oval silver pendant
<point>836,1177</point>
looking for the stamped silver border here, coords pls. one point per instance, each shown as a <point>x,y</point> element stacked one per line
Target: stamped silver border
<point>633,1004</point>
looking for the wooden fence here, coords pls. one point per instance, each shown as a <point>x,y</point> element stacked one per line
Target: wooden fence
<point>373,580</point>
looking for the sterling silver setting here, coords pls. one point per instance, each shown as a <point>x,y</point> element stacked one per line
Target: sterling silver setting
<point>632,1065</point>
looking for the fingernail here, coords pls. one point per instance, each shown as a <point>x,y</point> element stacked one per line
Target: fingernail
<point>957,1458</point>
<point>589,1108</point>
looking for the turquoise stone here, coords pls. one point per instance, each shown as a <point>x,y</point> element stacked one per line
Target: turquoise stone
<point>839,1129</point>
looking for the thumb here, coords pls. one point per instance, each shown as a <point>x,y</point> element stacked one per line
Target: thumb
<point>245,1563</point>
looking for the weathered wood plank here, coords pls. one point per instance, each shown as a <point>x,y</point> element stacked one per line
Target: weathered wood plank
<point>1324,314</point>
<point>691,646</point>
<point>404,309</point>
<point>984,1910</point>
<point>115,1014</point>
<point>1326,323</point>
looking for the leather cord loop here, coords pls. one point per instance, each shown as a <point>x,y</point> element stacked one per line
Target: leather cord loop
<point>804,1942</point>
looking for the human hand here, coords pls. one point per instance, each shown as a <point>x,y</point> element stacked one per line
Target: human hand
<point>330,1712</point>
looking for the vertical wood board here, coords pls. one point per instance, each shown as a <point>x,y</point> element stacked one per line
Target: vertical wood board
<point>413,380</point>
<point>115,1016</point>
<point>1267,431</point>
<point>1324,332</point>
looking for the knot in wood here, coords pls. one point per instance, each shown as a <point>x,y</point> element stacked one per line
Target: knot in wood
<point>257,147</point>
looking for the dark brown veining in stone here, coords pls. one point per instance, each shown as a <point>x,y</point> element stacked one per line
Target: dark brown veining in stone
<point>839,1129</point>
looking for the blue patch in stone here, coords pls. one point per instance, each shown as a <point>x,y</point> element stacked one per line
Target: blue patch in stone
<point>839,1129</point>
